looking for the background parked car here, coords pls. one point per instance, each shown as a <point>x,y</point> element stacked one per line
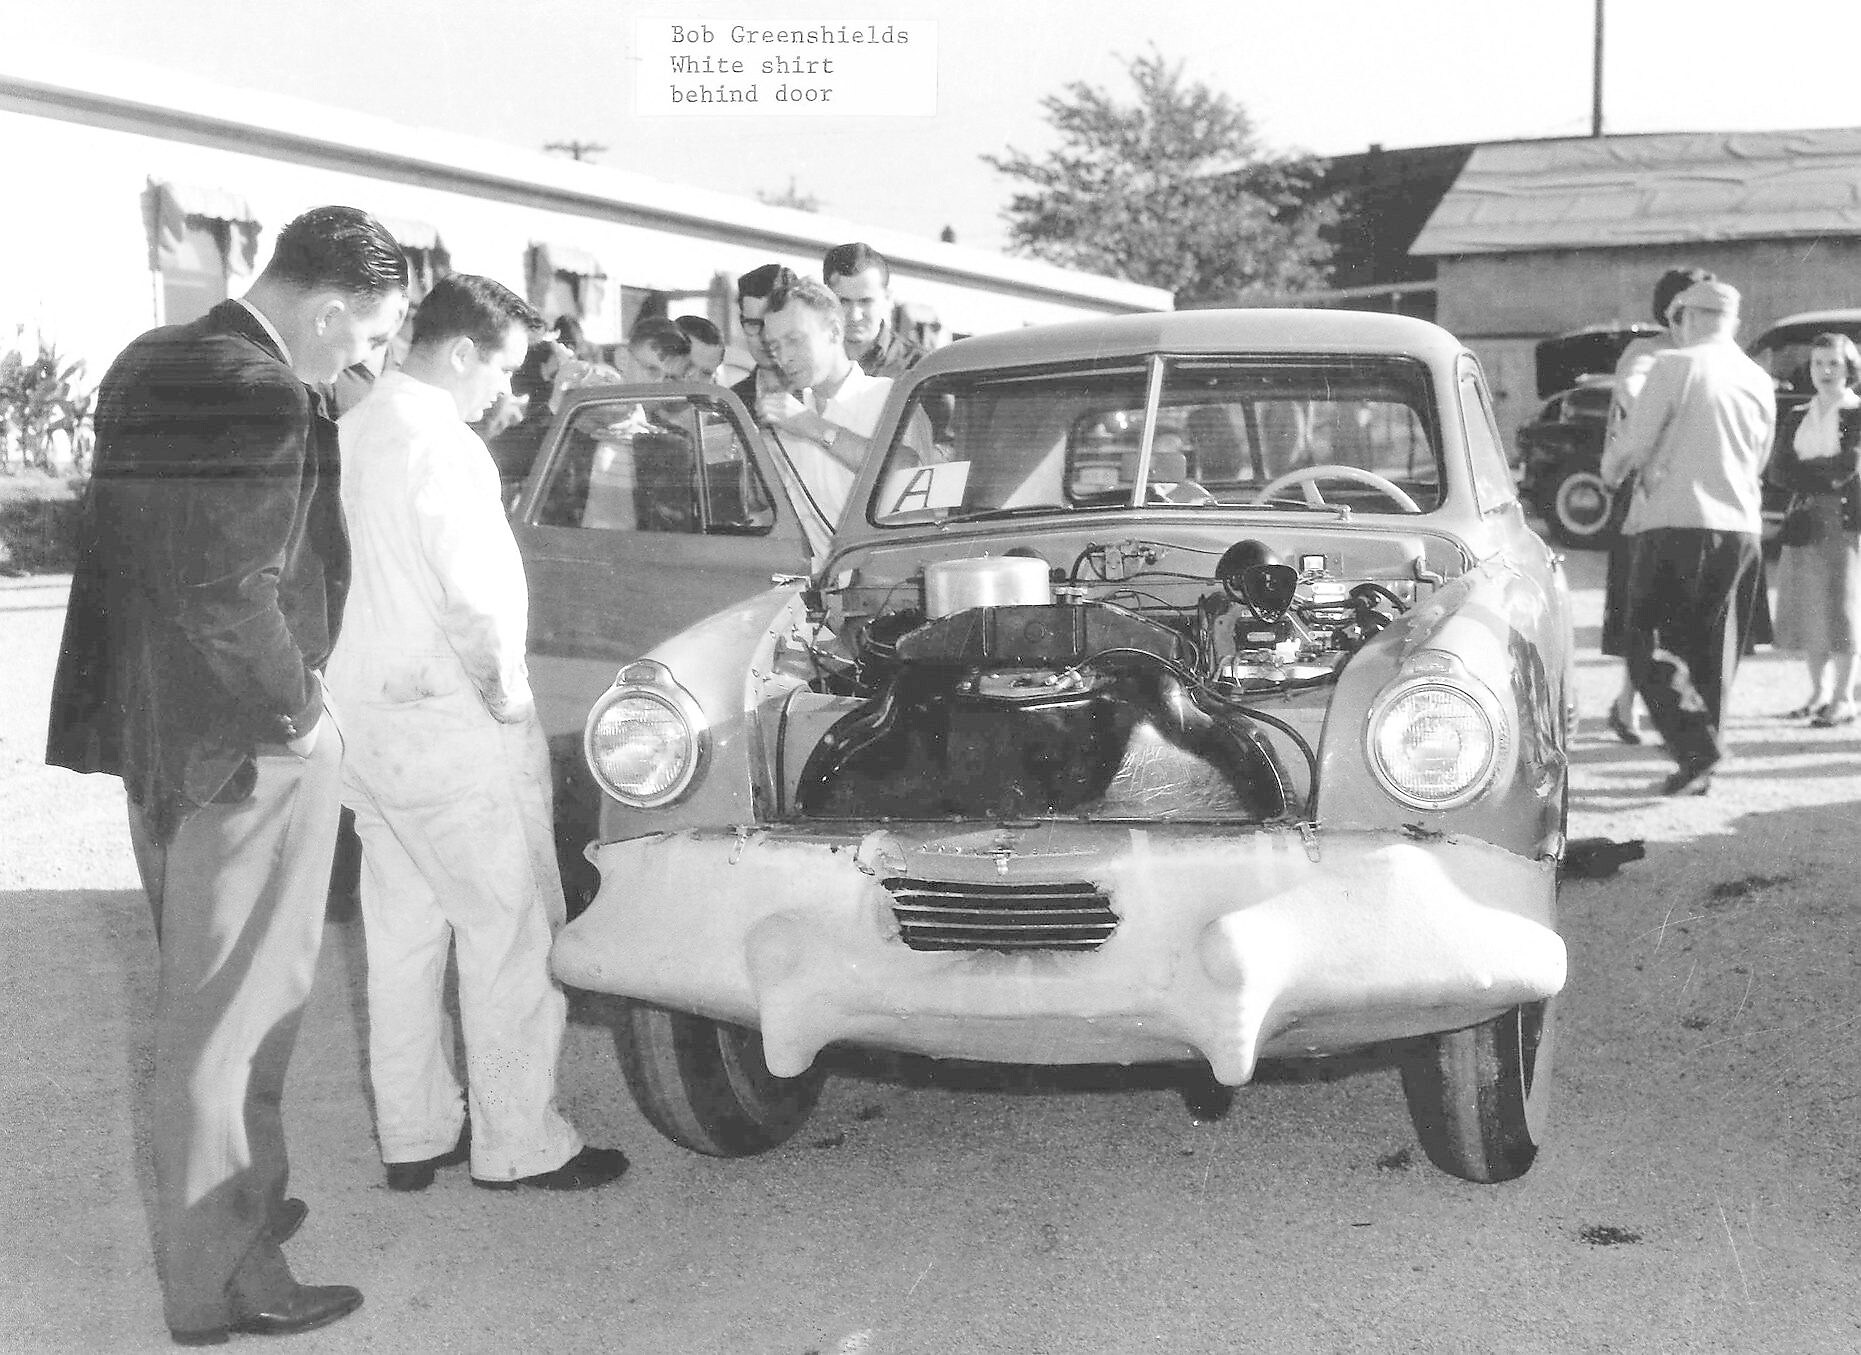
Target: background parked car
<point>1560,451</point>
<point>1560,465</point>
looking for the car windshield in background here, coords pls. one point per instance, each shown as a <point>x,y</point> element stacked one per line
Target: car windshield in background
<point>1783,352</point>
<point>1222,432</point>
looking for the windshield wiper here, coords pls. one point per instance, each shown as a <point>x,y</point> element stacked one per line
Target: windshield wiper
<point>998,514</point>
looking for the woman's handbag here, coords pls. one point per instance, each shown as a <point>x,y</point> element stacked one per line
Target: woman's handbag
<point>1799,523</point>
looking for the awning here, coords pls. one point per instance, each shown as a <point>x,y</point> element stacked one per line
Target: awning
<point>560,258</point>
<point>234,224</point>
<point>215,204</point>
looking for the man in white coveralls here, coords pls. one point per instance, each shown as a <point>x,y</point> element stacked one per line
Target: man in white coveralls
<point>448,770</point>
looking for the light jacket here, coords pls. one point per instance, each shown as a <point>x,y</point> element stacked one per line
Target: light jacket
<point>1697,438</point>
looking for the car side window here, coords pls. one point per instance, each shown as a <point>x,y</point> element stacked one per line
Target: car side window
<point>662,464</point>
<point>1492,474</point>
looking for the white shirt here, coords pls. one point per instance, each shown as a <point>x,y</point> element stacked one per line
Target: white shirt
<point>1819,436</point>
<point>854,407</point>
<point>270,329</point>
<point>436,573</point>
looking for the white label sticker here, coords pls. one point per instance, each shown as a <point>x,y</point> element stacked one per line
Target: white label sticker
<point>784,67</point>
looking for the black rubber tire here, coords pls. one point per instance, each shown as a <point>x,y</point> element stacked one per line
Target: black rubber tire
<point>1581,511</point>
<point>1480,1098</point>
<point>704,1085</point>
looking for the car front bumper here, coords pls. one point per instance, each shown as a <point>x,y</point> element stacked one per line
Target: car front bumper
<point>1230,945</point>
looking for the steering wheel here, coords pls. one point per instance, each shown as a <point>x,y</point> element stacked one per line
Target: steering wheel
<point>1308,475</point>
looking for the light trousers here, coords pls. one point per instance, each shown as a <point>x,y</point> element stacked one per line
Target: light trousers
<point>453,810</point>
<point>238,896</point>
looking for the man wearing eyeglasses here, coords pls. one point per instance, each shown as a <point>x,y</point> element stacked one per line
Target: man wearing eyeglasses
<point>753,291</point>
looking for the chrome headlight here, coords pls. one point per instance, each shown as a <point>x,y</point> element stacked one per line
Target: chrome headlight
<point>646,740</point>
<point>1436,742</point>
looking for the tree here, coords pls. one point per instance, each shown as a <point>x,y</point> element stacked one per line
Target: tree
<point>1174,190</point>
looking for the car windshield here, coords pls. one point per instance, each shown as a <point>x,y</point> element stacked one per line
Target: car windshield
<point>1190,434</point>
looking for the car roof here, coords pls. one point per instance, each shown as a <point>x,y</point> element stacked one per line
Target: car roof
<point>1265,330</point>
<point>1850,315</point>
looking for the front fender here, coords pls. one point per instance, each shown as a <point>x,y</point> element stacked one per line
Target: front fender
<point>1506,623</point>
<point>723,662</point>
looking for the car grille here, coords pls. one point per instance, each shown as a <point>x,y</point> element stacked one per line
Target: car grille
<point>945,915</point>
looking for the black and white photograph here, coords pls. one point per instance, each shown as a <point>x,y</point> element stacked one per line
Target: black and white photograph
<point>925,677</point>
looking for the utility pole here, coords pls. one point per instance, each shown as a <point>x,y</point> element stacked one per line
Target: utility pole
<point>1596,80</point>
<point>587,150</point>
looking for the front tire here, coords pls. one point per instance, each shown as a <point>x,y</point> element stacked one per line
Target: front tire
<point>704,1084</point>
<point>1480,1097</point>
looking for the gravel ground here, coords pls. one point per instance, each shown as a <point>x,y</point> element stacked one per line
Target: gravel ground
<point>1700,1194</point>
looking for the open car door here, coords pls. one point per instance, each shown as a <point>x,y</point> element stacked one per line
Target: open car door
<point>648,508</point>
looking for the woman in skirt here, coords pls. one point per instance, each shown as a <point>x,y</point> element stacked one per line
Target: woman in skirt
<point>1819,574</point>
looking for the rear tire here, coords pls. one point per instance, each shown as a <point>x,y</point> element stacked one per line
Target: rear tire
<point>1480,1097</point>
<point>704,1084</point>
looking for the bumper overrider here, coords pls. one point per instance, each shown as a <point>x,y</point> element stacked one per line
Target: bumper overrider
<point>1169,941</point>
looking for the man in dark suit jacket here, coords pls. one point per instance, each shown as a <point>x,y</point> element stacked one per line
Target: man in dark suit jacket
<point>207,596</point>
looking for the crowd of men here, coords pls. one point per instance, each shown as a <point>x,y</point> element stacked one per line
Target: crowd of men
<point>278,614</point>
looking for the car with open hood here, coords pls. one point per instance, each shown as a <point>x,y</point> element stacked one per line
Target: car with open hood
<point>1179,689</point>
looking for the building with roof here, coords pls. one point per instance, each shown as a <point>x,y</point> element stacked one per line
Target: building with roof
<point>1539,238</point>
<point>143,197</point>
<point>1387,196</point>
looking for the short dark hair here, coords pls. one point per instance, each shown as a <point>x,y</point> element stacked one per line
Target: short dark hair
<point>475,307</point>
<point>343,248</point>
<point>661,336</point>
<point>845,261</point>
<point>569,330</point>
<point>698,329</point>
<point>1673,282</point>
<point>806,292</point>
<point>759,282</point>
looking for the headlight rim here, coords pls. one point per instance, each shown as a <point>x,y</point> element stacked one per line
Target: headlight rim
<point>654,681</point>
<point>1461,684</point>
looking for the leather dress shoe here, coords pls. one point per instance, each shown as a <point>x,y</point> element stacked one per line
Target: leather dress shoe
<point>587,1169</point>
<point>1689,778</point>
<point>1836,714</point>
<point>305,1308</point>
<point>289,1218</point>
<point>419,1175</point>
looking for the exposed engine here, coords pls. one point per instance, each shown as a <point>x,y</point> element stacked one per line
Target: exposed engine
<point>1016,692</point>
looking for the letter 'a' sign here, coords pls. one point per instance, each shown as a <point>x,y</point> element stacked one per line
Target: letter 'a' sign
<point>913,489</point>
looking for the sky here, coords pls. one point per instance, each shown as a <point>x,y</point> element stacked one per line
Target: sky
<point>1327,77</point>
